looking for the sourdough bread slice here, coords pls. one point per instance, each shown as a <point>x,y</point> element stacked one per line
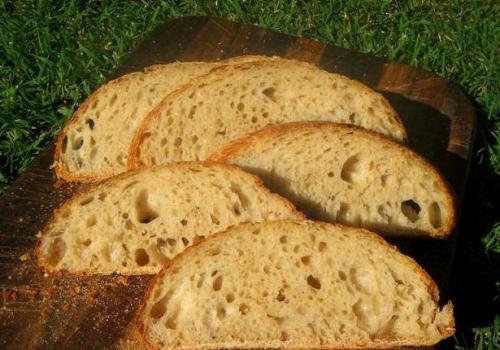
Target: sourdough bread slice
<point>94,143</point>
<point>137,221</point>
<point>231,101</point>
<point>345,174</point>
<point>293,285</point>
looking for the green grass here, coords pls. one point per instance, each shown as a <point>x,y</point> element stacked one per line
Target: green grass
<point>54,53</point>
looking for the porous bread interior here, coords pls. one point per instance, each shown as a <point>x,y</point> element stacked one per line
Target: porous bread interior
<point>135,223</point>
<point>226,104</point>
<point>97,138</point>
<point>338,173</point>
<point>293,285</point>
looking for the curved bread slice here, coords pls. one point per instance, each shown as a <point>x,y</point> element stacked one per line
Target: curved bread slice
<point>345,174</point>
<point>134,223</point>
<point>232,101</point>
<point>94,143</point>
<point>293,285</point>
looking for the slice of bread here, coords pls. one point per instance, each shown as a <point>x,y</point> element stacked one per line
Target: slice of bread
<point>137,221</point>
<point>293,285</point>
<point>231,101</point>
<point>94,143</point>
<point>345,174</point>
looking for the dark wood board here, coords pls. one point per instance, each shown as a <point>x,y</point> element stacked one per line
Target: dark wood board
<point>47,312</point>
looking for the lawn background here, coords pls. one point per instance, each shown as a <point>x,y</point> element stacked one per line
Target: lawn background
<point>54,53</point>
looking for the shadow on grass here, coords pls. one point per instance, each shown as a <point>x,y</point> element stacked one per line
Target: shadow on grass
<point>475,284</point>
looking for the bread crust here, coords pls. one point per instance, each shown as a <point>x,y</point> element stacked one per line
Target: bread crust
<point>134,155</point>
<point>227,153</point>
<point>85,192</point>
<point>429,282</point>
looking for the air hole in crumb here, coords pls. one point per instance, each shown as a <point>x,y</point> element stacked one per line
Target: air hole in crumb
<point>435,215</point>
<point>163,141</point>
<point>385,212</point>
<point>159,308</point>
<point>322,246</point>
<point>236,209</point>
<point>171,242</point>
<point>56,252</point>
<point>125,215</point>
<point>284,336</point>
<point>214,219</point>
<point>77,143</point>
<point>87,242</point>
<point>283,239</point>
<point>410,209</point>
<point>243,309</point>
<point>330,174</point>
<point>267,269</point>
<point>184,222</point>
<point>102,196</point>
<point>241,107</point>
<point>351,170</point>
<point>201,279</point>
<point>194,139</point>
<point>177,142</point>
<point>91,221</point>
<point>141,257</point>
<point>305,260</point>
<point>113,100</point>
<point>313,282</point>
<point>342,275</point>
<point>185,241</point>
<point>90,123</point>
<point>221,311</point>
<point>145,214</point>
<point>352,118</point>
<point>229,297</point>
<point>254,119</point>
<point>86,201</point>
<point>281,296</point>
<point>217,285</point>
<point>270,93</point>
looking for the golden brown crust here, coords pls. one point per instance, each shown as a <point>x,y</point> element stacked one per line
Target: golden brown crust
<point>85,192</point>
<point>431,285</point>
<point>227,153</point>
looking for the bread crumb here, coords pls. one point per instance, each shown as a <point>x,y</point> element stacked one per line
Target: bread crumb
<point>123,280</point>
<point>24,257</point>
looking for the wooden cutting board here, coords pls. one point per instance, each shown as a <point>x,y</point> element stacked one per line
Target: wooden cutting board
<point>48,312</point>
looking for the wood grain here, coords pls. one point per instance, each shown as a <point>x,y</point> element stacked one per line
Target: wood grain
<point>49,312</point>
